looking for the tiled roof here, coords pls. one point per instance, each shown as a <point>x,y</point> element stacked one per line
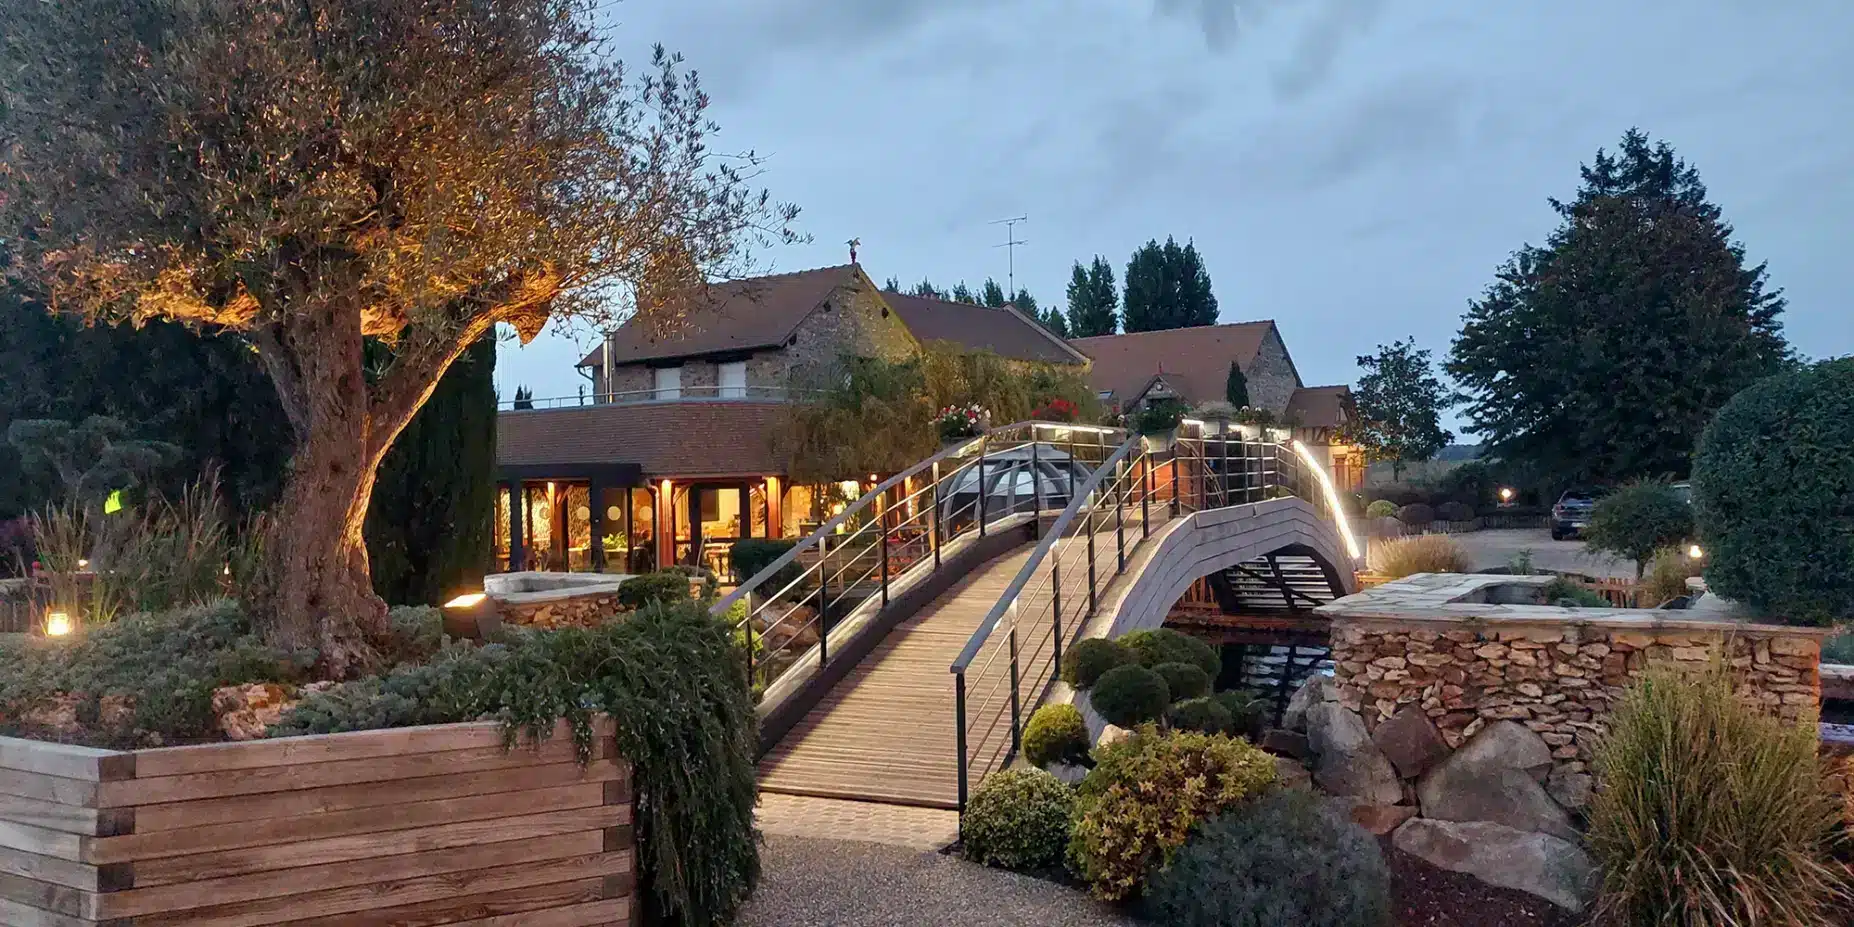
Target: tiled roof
<point>1318,406</point>
<point>739,315</point>
<point>1195,361</point>
<point>668,439</point>
<point>1005,332</point>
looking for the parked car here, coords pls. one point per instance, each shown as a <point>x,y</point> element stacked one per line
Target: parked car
<point>1571,514</point>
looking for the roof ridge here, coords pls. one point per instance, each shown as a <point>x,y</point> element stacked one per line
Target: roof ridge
<point>1186,328</point>
<point>781,276</point>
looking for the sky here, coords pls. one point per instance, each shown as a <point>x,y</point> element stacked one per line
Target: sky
<point>1355,170</point>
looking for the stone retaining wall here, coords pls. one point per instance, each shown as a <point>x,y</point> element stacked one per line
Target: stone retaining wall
<point>1425,641</point>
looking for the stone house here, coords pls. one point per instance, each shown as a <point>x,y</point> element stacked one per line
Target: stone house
<point>670,460</point>
<point>1192,365</point>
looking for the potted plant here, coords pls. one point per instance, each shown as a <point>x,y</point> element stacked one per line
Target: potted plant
<point>1056,410</point>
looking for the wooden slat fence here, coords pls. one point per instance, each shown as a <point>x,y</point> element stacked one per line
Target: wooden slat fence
<point>427,826</point>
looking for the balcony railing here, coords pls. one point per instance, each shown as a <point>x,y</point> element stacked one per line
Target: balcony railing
<point>708,393</point>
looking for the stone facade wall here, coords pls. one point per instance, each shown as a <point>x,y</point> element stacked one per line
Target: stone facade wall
<point>1558,678</point>
<point>854,320</point>
<point>1271,377</point>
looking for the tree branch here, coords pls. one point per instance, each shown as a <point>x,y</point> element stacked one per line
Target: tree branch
<point>282,370</point>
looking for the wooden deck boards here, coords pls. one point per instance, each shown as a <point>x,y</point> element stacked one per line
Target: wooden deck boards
<point>886,732</point>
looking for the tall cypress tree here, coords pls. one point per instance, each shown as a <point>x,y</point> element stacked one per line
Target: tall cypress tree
<point>1093,300</point>
<point>429,523</point>
<point>1167,286</point>
<point>993,294</point>
<point>1236,387</point>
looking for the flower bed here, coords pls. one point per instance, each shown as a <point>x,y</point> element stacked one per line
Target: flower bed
<point>427,824</point>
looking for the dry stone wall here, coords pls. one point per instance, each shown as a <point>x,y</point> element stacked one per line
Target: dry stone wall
<point>1557,678</point>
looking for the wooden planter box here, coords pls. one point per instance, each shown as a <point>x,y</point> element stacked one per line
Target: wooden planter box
<point>427,825</point>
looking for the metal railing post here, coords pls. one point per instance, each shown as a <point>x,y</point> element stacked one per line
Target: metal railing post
<point>823,601</point>
<point>981,486</point>
<point>1089,527</point>
<point>1174,477</point>
<point>882,539</point>
<point>1036,489</point>
<point>1223,471</point>
<point>1120,516</point>
<point>936,540</point>
<point>1055,592</point>
<point>1017,721</point>
<point>1145,497</point>
<point>959,732</point>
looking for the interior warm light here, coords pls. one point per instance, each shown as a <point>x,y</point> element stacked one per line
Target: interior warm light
<point>467,600</point>
<point>1695,552</point>
<point>57,624</point>
<point>1332,499</point>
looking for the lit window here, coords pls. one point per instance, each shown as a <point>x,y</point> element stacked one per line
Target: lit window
<point>734,380</point>
<point>669,383</point>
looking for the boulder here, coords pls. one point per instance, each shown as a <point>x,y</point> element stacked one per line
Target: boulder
<point>1112,734</point>
<point>1381,819</point>
<point>1292,775</point>
<point>1538,864</point>
<point>1068,773</point>
<point>1346,761</point>
<point>1572,790</point>
<point>1492,778</point>
<point>1410,741</point>
<point>1286,743</point>
<point>1318,689</point>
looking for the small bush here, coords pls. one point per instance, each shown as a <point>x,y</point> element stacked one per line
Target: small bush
<point>1637,520</point>
<point>1839,647</point>
<point>1084,663</point>
<point>749,556</point>
<point>1017,819</point>
<point>1416,513</point>
<point>1129,696</point>
<point>1056,734</point>
<point>1710,812</point>
<point>417,634</point>
<point>1666,577</point>
<point>1248,713</point>
<point>1567,594</point>
<point>1455,511</point>
<point>1425,553</point>
<point>1772,480</point>
<point>661,586</point>
<point>1383,508</point>
<point>1144,796</point>
<point>1203,714</point>
<point>1160,416</point>
<point>1286,859</point>
<point>1183,680</point>
<point>1165,645</point>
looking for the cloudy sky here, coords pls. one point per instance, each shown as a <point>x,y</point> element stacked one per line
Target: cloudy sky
<point>1353,169</point>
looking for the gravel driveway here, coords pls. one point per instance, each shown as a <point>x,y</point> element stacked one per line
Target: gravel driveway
<point>809,882</point>
<point>1489,549</point>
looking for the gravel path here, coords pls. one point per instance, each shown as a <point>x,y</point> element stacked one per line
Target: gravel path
<point>811,883</point>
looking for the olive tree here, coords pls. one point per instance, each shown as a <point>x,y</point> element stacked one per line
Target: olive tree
<point>312,174</point>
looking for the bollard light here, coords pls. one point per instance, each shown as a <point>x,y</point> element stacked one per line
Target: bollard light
<point>58,624</point>
<point>1506,494</point>
<point>473,615</point>
<point>1694,552</point>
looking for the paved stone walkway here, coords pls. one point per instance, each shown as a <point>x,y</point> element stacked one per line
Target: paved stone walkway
<point>841,883</point>
<point>868,822</point>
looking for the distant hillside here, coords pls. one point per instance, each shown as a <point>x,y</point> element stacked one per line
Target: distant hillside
<point>1459,452</point>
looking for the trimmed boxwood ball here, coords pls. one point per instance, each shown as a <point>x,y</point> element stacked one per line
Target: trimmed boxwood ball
<point>1183,680</point>
<point>1455,511</point>
<point>1416,513</point>
<point>662,586</point>
<point>1382,508</point>
<point>1285,859</point>
<point>1248,713</point>
<point>1164,645</point>
<point>1129,696</point>
<point>1056,734</point>
<point>1084,663</point>
<point>1017,819</point>
<point>1204,715</point>
<point>1773,493</point>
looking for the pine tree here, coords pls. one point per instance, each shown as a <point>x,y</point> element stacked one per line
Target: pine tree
<point>962,294</point>
<point>1093,300</point>
<point>1603,354</point>
<point>926,289</point>
<point>993,294</point>
<point>1236,387</point>
<point>1053,320</point>
<point>429,523</point>
<point>891,285</point>
<point>1167,287</point>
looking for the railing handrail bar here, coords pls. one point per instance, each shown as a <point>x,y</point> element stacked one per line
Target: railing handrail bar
<point>830,527</point>
<point>1053,535</point>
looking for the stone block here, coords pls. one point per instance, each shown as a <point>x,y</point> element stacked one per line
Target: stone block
<point>1539,864</point>
<point>1410,741</point>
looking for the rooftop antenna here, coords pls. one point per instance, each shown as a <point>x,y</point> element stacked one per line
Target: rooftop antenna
<point>1010,243</point>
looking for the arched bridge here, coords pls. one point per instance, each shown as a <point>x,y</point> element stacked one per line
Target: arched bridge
<point>899,649</point>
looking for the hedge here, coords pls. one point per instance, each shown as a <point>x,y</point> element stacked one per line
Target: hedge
<point>1773,492</point>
